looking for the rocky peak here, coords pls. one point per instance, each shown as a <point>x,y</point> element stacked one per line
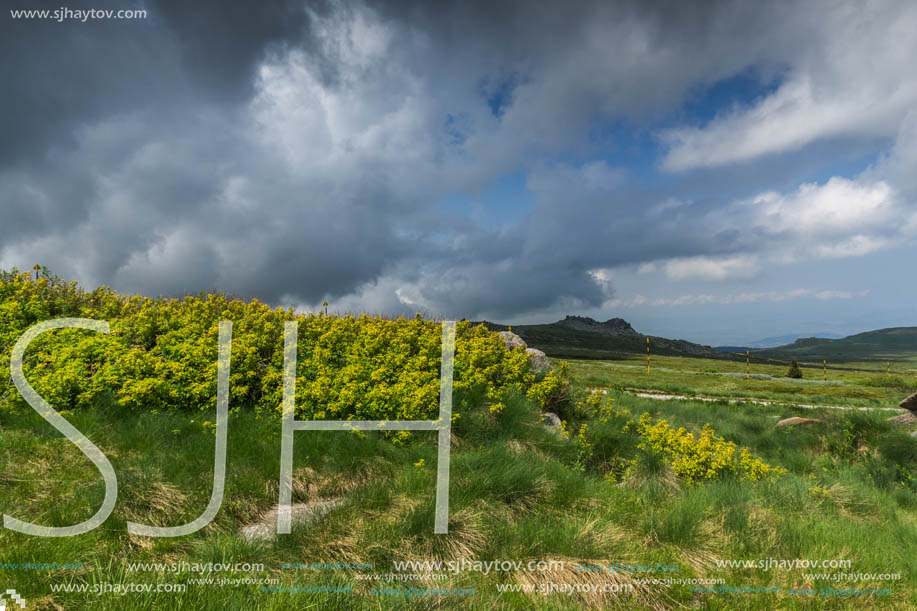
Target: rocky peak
<point>612,326</point>
<point>620,325</point>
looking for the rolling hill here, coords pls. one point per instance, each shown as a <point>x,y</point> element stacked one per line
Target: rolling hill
<point>774,342</point>
<point>581,337</point>
<point>585,338</point>
<point>893,344</point>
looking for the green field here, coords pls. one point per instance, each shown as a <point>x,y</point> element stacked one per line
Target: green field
<point>864,384</point>
<point>519,492</point>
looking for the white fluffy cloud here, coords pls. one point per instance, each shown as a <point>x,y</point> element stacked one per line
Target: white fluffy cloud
<point>710,268</point>
<point>840,218</point>
<point>847,84</point>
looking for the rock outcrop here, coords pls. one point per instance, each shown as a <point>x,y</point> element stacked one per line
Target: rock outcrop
<point>612,326</point>
<point>910,403</point>
<point>797,421</point>
<point>552,421</point>
<point>908,419</point>
<point>537,360</point>
<point>511,340</point>
<point>265,529</point>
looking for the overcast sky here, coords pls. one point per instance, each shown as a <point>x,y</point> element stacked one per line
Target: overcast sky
<point>716,171</point>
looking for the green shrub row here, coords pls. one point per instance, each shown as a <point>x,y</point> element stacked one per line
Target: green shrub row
<point>162,355</point>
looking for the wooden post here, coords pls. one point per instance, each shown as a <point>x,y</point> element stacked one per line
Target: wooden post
<point>747,371</point>
<point>325,304</point>
<point>825,363</point>
<point>37,269</point>
<point>647,355</point>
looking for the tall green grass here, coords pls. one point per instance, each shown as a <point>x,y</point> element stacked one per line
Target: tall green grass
<point>518,491</point>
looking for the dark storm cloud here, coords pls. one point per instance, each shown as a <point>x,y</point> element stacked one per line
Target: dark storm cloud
<point>293,151</point>
<point>60,74</point>
<point>55,75</point>
<point>655,50</point>
<point>138,79</point>
<point>221,41</point>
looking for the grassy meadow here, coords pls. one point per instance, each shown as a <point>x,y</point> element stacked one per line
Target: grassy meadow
<point>518,491</point>
<point>864,384</point>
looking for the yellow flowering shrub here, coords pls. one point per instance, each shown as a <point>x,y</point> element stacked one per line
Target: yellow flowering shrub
<point>598,405</point>
<point>553,390</point>
<point>162,354</point>
<point>698,458</point>
<point>819,492</point>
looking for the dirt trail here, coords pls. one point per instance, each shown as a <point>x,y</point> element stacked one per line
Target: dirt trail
<point>663,396</point>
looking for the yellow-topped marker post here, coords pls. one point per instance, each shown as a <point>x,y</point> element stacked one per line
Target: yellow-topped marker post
<point>647,355</point>
<point>825,363</point>
<point>37,269</point>
<point>746,364</point>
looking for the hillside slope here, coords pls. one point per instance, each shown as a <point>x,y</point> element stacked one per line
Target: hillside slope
<point>893,344</point>
<point>586,338</point>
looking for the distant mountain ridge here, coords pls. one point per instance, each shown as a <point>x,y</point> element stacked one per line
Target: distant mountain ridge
<point>891,344</point>
<point>584,337</point>
<point>774,342</point>
<point>783,340</point>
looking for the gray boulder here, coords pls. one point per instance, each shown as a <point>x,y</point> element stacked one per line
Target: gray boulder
<point>537,360</point>
<point>910,403</point>
<point>797,421</point>
<point>265,529</point>
<point>511,340</point>
<point>907,419</point>
<point>551,420</point>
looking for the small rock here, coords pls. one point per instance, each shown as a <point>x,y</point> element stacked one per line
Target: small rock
<point>913,433</point>
<point>910,403</point>
<point>511,340</point>
<point>537,360</point>
<point>797,421</point>
<point>265,529</point>
<point>552,420</point>
<point>904,419</point>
